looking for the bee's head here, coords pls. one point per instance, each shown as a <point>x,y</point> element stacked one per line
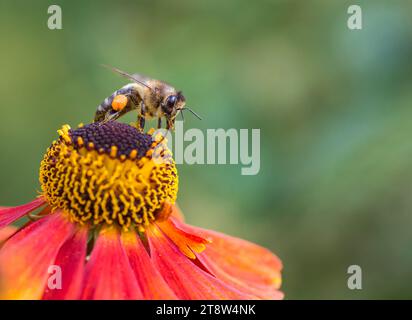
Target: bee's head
<point>172,104</point>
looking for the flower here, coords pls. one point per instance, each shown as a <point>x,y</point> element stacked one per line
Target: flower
<point>107,220</point>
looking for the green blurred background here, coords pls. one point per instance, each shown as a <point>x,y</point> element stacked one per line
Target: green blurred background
<point>334,107</point>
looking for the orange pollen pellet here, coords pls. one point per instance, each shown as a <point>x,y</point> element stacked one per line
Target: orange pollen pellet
<point>119,102</point>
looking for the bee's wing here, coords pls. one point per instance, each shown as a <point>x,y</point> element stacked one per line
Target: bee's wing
<point>141,78</point>
<point>134,77</point>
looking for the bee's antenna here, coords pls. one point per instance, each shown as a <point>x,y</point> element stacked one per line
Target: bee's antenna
<point>194,113</point>
<point>126,75</point>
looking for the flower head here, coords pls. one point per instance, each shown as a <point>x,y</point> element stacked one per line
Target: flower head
<point>107,223</point>
<point>105,173</point>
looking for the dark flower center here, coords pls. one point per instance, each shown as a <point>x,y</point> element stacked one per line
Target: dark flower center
<point>103,136</point>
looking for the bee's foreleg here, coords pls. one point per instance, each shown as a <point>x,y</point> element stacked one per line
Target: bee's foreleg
<point>159,123</point>
<point>170,124</point>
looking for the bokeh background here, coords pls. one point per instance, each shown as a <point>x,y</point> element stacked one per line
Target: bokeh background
<point>334,107</point>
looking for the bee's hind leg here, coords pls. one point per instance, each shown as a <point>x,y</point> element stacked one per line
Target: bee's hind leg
<point>110,117</point>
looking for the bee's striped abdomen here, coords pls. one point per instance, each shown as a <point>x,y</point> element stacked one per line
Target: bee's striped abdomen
<point>105,107</point>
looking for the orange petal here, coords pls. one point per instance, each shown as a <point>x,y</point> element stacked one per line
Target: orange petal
<point>243,263</point>
<point>177,213</point>
<point>10,214</point>
<point>151,283</point>
<point>188,242</point>
<point>26,257</point>
<point>185,278</point>
<point>71,260</point>
<point>109,275</point>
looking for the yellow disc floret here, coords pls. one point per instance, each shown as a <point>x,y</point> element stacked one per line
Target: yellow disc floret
<point>108,174</point>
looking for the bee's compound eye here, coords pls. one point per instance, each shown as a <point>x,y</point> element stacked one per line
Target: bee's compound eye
<point>171,101</point>
<point>119,102</point>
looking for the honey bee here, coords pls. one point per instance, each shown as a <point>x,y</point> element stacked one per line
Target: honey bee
<point>151,98</point>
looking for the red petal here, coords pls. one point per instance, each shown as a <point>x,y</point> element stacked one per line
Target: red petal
<point>109,275</point>
<point>244,265</point>
<point>71,260</point>
<point>6,232</point>
<point>151,283</point>
<point>10,214</point>
<point>26,257</point>
<point>185,278</point>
